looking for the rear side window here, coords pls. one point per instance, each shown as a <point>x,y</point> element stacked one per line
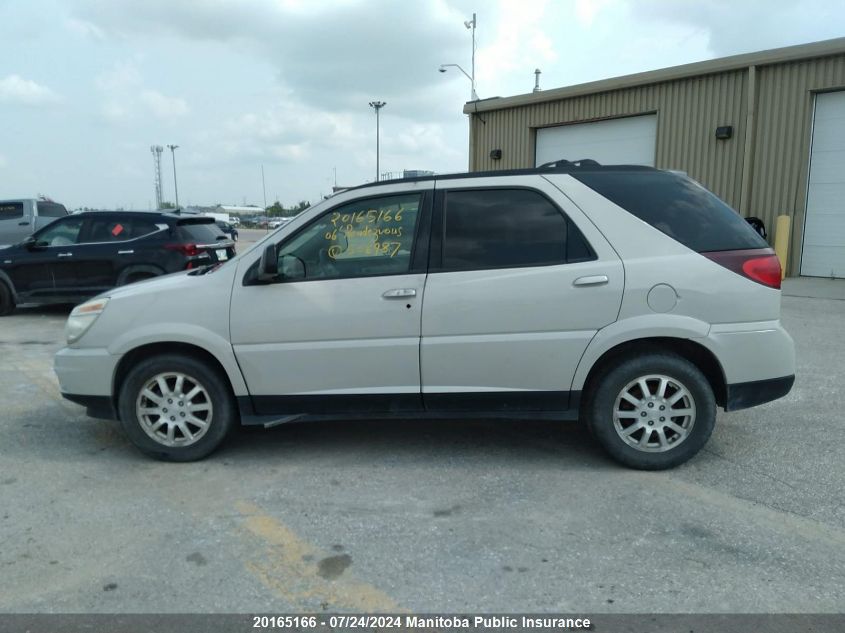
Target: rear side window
<point>507,228</point>
<point>116,229</point>
<point>676,206</point>
<point>201,233</point>
<point>51,210</point>
<point>11,210</point>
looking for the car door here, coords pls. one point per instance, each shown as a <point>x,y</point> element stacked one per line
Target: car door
<point>39,264</point>
<point>342,335</point>
<point>108,243</point>
<point>519,283</point>
<point>15,222</point>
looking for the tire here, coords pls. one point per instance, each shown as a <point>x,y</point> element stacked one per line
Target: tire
<point>633,428</point>
<point>188,440</point>
<point>7,300</point>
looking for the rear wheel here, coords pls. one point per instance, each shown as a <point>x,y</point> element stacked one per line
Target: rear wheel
<point>653,411</point>
<point>7,300</point>
<point>176,408</point>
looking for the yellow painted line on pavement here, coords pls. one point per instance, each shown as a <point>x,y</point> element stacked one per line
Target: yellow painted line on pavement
<point>290,568</point>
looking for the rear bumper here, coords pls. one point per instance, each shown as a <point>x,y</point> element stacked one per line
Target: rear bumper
<point>749,394</point>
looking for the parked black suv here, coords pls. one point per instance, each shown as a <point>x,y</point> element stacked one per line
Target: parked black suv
<point>228,229</point>
<point>82,255</point>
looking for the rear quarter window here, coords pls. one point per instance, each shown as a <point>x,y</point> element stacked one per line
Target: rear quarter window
<point>51,210</point>
<point>676,206</point>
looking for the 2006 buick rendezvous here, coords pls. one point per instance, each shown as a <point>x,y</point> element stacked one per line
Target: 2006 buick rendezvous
<point>627,297</point>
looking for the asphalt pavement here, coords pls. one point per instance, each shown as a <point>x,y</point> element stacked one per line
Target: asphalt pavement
<point>422,516</point>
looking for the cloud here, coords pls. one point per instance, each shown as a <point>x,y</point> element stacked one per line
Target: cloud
<point>3,161</point>
<point>738,27</point>
<point>162,106</point>
<point>16,89</point>
<point>330,55</point>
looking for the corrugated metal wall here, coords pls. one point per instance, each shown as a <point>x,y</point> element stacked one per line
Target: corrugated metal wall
<point>688,111</point>
<point>782,148</point>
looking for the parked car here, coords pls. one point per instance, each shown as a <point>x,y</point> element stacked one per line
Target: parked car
<point>228,229</point>
<point>23,216</point>
<point>84,254</point>
<point>275,224</point>
<point>630,298</point>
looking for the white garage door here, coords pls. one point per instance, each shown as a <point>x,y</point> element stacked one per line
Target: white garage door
<point>824,228</point>
<point>628,141</point>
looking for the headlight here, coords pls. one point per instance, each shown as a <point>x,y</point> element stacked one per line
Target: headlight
<point>83,317</point>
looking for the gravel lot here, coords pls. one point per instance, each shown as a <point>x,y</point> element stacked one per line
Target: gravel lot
<point>432,516</point>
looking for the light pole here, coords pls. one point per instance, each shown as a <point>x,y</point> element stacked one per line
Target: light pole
<point>377,105</point>
<point>470,24</point>
<point>175,186</point>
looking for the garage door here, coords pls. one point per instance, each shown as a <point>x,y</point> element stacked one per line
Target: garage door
<point>628,141</point>
<point>824,228</point>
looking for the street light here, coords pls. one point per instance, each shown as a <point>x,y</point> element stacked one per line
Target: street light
<point>472,95</point>
<point>377,105</point>
<point>175,187</point>
<point>470,24</point>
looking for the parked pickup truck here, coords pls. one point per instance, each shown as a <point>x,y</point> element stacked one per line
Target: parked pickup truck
<point>22,217</point>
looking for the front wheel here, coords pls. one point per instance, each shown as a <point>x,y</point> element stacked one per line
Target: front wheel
<point>176,408</point>
<point>653,411</point>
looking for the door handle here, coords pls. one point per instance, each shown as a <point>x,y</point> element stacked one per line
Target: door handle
<point>125,252</point>
<point>65,254</point>
<point>594,280</point>
<point>25,223</point>
<point>400,293</point>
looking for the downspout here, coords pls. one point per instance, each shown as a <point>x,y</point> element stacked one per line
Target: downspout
<point>750,141</point>
<point>471,120</point>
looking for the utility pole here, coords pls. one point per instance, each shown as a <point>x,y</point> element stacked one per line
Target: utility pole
<point>175,187</point>
<point>472,25</point>
<point>377,105</point>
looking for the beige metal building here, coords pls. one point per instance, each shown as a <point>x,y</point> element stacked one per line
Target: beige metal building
<point>765,131</point>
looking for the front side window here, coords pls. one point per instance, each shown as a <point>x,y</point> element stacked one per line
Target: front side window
<point>60,233</point>
<point>502,228</point>
<point>363,238</point>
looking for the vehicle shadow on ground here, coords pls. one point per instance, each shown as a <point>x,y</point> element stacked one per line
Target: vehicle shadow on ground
<point>437,440</point>
<point>32,309</point>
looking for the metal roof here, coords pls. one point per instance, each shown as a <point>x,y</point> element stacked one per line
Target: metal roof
<point>712,66</point>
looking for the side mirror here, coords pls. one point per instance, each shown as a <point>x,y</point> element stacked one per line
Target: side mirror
<point>33,244</point>
<point>293,268</point>
<point>268,267</point>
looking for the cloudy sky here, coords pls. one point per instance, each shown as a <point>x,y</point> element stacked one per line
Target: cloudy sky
<point>86,86</point>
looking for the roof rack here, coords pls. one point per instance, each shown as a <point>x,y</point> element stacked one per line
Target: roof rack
<point>558,166</point>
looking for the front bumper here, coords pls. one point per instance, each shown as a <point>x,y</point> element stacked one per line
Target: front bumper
<point>101,407</point>
<point>86,377</point>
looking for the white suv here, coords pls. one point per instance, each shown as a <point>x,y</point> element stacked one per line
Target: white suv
<point>627,297</point>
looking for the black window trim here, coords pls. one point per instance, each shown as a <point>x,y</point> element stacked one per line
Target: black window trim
<point>439,231</point>
<point>419,247</point>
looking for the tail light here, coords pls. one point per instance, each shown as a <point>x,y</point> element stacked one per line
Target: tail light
<point>190,250</point>
<point>760,265</point>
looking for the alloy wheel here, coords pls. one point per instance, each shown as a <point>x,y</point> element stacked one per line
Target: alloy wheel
<point>654,413</point>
